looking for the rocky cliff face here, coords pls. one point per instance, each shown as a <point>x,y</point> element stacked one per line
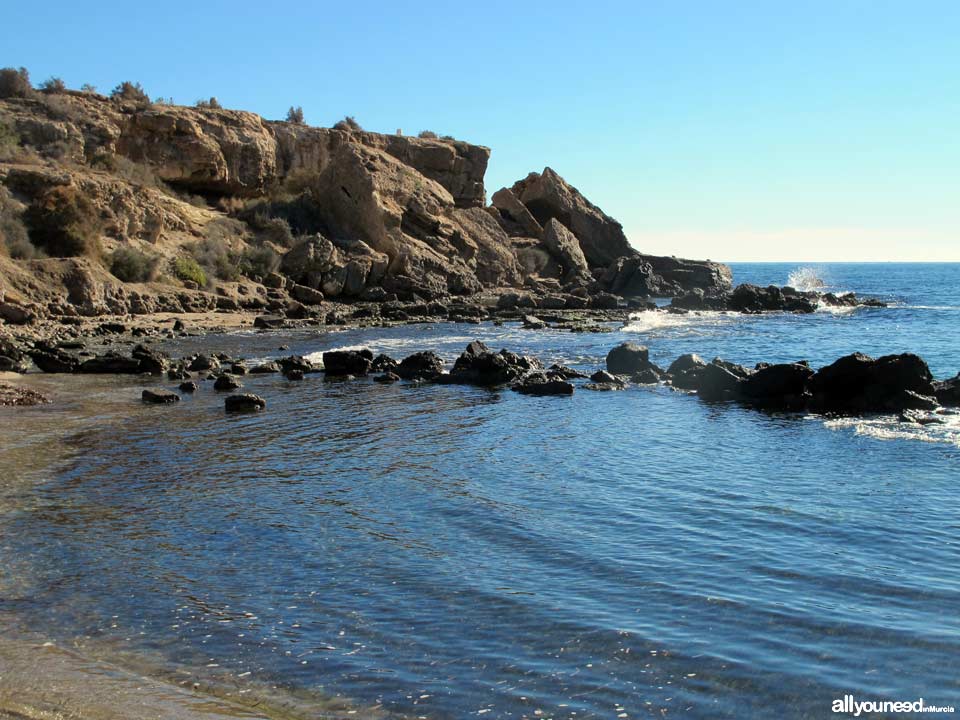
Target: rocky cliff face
<point>366,210</point>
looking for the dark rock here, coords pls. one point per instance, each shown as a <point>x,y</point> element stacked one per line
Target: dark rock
<point>477,365</point>
<point>11,395</point>
<point>565,373</point>
<point>387,377</point>
<point>542,384</point>
<point>226,383</point>
<point>647,376</point>
<point>604,386</point>
<point>269,322</point>
<point>917,418</point>
<point>55,361</point>
<point>778,386</point>
<point>293,374</point>
<point>716,382</point>
<point>532,322</point>
<point>948,391</point>
<point>383,363</point>
<point>202,362</point>
<point>178,373</point>
<point>306,295</point>
<point>296,362</point>
<point>178,326</point>
<point>244,402</point>
<point>685,363</point>
<point>159,397</point>
<point>604,301</point>
<point>189,387</point>
<point>266,368</point>
<point>420,366</point>
<point>152,361</point>
<point>627,358</point>
<point>346,362</point>
<point>602,376</point>
<point>111,363</point>
<point>857,383</point>
<point>238,369</point>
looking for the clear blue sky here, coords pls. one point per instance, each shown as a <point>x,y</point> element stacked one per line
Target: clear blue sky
<point>733,130</point>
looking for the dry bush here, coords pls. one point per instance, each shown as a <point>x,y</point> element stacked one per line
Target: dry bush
<point>15,83</point>
<point>14,239</point>
<point>64,223</point>
<point>348,123</point>
<point>259,261</point>
<point>53,85</point>
<point>428,135</point>
<point>131,265</point>
<point>211,104</point>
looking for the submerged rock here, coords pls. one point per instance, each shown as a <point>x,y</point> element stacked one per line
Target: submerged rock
<point>226,383</point>
<point>244,402</point>
<point>543,384</point>
<point>159,397</point>
<point>22,397</point>
<point>189,386</point>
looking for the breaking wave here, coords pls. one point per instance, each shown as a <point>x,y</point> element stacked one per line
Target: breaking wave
<point>807,278</point>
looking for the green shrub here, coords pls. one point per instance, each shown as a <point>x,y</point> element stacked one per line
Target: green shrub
<point>211,104</point>
<point>53,85</point>
<point>216,257</point>
<point>131,265</point>
<point>187,269</point>
<point>295,115</point>
<point>348,123</point>
<point>15,83</point>
<point>131,92</point>
<point>65,223</point>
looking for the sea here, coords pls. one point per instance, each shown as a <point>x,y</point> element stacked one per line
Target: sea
<point>440,551</point>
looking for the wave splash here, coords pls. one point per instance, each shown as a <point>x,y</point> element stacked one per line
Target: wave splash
<point>806,278</point>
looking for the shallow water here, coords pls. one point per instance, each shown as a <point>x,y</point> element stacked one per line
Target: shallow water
<point>449,551</point>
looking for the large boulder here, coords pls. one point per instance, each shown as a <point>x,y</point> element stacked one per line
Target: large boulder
<point>565,247</point>
<point>347,362</point>
<point>477,365</point>
<point>628,358</point>
<point>778,386</point>
<point>948,391</point>
<point>547,195</point>
<point>857,384</point>
<point>425,365</point>
<point>720,381</point>
<point>515,211</point>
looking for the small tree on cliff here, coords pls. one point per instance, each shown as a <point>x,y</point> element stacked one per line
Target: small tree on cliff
<point>348,123</point>
<point>15,83</point>
<point>295,115</point>
<point>131,92</point>
<point>211,104</point>
<point>53,85</point>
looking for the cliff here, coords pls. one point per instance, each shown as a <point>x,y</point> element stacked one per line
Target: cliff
<point>159,206</point>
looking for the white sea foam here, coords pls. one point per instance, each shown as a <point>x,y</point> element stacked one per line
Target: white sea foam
<point>652,321</point>
<point>890,428</point>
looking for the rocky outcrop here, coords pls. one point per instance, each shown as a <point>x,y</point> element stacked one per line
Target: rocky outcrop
<point>752,299</point>
<point>563,245</point>
<point>547,195</point>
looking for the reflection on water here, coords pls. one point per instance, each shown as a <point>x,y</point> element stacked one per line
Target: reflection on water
<point>451,551</point>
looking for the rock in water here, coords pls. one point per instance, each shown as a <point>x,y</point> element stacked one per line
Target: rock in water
<point>189,387</point>
<point>420,366</point>
<point>226,383</point>
<point>24,397</point>
<point>857,383</point>
<point>778,386</point>
<point>244,402</point>
<point>948,391</point>
<point>628,358</point>
<point>347,362</point>
<point>541,384</point>
<point>159,397</point>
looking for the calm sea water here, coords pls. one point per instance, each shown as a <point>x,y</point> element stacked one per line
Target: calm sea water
<point>451,552</point>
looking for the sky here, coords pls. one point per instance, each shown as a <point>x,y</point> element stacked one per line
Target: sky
<point>737,130</point>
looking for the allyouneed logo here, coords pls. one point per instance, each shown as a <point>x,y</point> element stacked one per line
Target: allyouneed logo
<point>854,707</point>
